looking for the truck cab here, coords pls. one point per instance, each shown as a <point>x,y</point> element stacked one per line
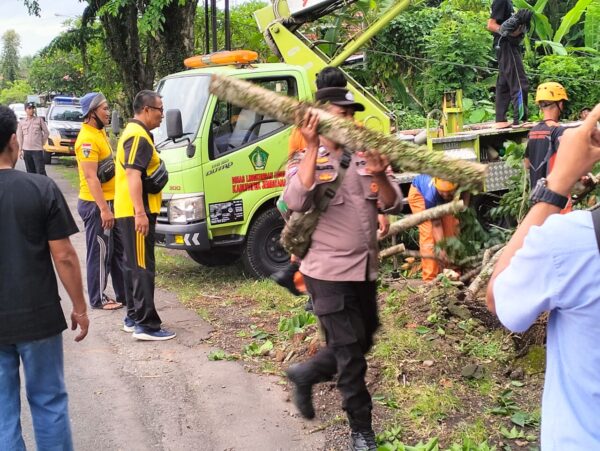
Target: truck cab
<point>226,168</point>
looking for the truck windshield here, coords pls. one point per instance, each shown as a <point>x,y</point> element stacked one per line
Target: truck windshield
<point>188,94</point>
<point>71,113</point>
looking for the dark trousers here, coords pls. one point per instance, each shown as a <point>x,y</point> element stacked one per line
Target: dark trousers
<point>139,273</point>
<point>512,85</point>
<point>34,161</point>
<point>104,254</point>
<point>348,315</point>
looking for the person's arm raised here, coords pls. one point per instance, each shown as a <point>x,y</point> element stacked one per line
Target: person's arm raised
<point>579,150</point>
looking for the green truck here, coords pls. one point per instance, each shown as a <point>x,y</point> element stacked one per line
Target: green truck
<point>226,164</point>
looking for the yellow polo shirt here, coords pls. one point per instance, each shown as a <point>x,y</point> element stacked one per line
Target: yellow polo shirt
<point>135,150</point>
<point>92,146</point>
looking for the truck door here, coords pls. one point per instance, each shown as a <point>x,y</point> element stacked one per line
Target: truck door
<point>245,167</point>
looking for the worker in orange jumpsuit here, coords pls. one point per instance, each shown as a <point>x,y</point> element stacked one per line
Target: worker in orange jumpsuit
<point>428,192</point>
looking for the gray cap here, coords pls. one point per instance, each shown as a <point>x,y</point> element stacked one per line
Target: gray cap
<point>90,102</point>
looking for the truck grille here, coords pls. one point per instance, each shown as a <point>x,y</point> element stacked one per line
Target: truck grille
<point>69,133</point>
<point>163,218</point>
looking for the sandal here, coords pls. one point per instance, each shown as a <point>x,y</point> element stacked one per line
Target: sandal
<point>110,304</point>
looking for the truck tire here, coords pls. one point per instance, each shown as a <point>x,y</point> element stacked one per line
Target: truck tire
<point>213,257</point>
<point>483,203</point>
<point>263,254</point>
<point>47,157</point>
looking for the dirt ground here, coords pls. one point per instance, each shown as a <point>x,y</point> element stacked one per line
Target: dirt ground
<point>166,396</point>
<point>444,373</point>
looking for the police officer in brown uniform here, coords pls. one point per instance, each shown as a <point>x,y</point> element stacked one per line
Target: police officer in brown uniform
<point>32,134</point>
<point>340,267</point>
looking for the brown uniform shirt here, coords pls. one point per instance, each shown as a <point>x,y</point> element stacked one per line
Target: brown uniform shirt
<point>32,133</point>
<point>344,245</point>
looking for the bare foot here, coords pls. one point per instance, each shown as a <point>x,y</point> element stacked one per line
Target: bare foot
<point>502,125</point>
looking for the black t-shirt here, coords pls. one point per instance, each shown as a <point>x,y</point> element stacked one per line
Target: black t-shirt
<point>34,212</point>
<point>542,144</point>
<point>501,10</point>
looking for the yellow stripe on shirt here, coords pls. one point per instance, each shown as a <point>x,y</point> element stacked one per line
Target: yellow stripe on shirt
<point>133,150</point>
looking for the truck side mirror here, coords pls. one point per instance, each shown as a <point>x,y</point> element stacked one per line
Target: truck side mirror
<point>115,123</point>
<point>174,124</point>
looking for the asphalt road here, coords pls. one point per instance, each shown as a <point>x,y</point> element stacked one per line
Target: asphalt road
<point>138,396</point>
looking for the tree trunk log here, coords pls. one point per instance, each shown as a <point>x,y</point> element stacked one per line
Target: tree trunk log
<point>427,215</point>
<point>483,277</point>
<point>393,250</point>
<point>402,155</point>
<point>399,249</point>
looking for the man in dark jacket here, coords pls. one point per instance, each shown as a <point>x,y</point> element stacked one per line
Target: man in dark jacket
<point>511,85</point>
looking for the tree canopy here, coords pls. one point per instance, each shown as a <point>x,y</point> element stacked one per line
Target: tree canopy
<point>10,57</point>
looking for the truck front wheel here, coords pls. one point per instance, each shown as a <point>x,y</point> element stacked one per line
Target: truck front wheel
<point>262,254</point>
<point>213,257</point>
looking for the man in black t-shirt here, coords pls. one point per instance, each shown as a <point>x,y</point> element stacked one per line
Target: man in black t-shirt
<point>34,231</point>
<point>511,85</point>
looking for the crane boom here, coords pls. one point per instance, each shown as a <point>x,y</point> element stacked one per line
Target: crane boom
<point>280,22</point>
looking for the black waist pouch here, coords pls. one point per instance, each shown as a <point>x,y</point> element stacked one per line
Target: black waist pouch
<point>106,170</point>
<point>155,182</point>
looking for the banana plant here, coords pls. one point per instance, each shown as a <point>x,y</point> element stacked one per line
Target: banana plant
<point>591,28</point>
<point>554,40</point>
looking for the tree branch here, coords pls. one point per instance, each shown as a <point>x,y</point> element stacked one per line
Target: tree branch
<point>427,215</point>
<point>404,155</point>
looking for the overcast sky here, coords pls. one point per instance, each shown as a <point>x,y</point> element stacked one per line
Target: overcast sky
<point>37,32</point>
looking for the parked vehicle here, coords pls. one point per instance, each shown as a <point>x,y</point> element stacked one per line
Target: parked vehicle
<point>19,110</point>
<point>226,164</point>
<point>64,122</point>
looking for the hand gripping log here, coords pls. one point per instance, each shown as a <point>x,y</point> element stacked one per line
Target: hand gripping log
<point>402,155</point>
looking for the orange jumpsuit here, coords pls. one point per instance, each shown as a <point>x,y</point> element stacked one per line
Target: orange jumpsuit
<point>430,266</point>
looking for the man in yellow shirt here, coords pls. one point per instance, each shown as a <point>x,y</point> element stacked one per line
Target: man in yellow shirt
<point>95,205</point>
<point>140,177</point>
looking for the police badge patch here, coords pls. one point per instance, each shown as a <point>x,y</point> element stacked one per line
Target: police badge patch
<point>86,149</point>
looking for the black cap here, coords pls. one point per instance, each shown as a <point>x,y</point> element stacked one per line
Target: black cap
<point>30,105</point>
<point>339,97</point>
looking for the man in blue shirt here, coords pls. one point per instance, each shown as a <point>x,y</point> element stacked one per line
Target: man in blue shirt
<point>552,263</point>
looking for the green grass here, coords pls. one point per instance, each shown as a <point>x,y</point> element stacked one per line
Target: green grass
<point>474,431</point>
<point>268,295</point>
<point>433,403</point>
<point>67,168</point>
<point>396,344</point>
<point>189,280</point>
<point>489,346</point>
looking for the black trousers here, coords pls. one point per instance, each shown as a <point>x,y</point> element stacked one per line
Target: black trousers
<point>348,315</point>
<point>104,254</point>
<point>139,273</point>
<point>34,161</point>
<point>512,85</point>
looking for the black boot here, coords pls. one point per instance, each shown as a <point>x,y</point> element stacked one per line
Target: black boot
<point>285,278</point>
<point>302,394</point>
<point>309,305</point>
<point>363,441</point>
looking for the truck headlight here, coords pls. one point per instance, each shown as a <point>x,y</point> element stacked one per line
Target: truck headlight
<point>186,209</point>
<point>54,132</point>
